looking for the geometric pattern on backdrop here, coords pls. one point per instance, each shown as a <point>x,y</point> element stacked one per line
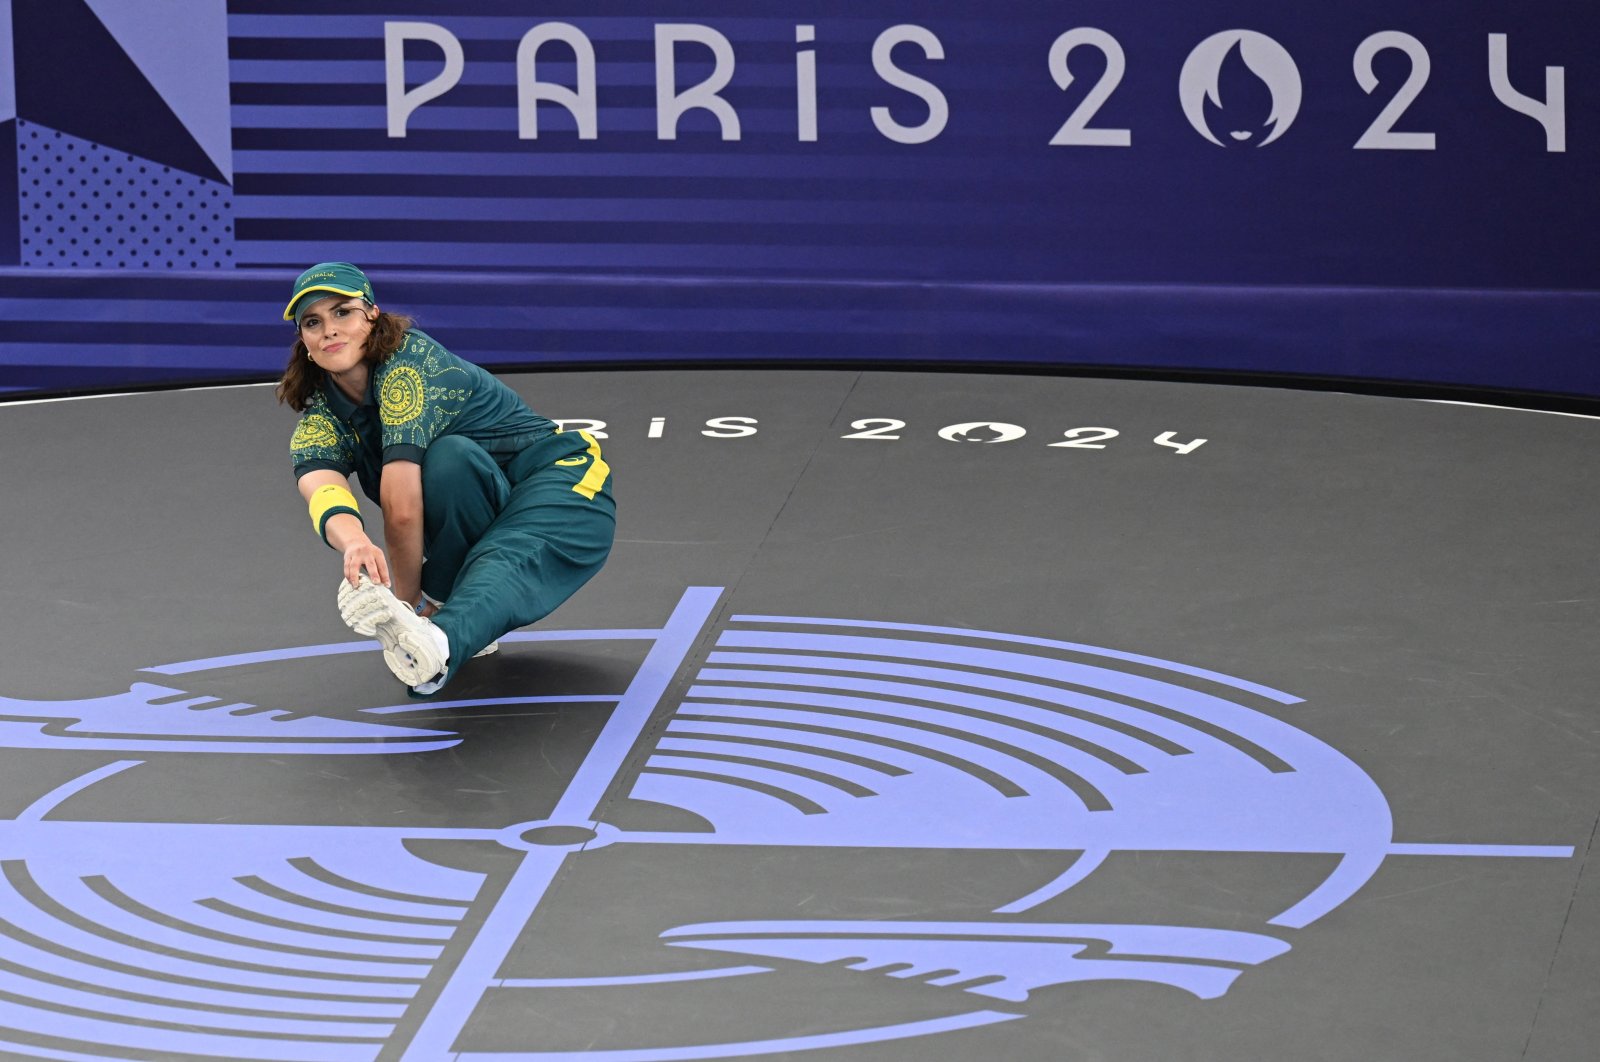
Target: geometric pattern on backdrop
<point>82,205</point>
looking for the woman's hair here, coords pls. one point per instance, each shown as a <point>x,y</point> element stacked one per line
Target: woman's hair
<point>302,376</point>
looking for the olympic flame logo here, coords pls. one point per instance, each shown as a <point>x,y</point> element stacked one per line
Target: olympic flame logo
<point>1256,77</point>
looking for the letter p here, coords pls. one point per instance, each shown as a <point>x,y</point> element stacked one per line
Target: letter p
<point>401,103</point>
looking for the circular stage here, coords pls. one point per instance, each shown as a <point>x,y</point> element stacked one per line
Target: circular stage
<point>915,716</point>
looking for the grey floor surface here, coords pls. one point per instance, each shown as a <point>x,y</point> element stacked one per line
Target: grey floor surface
<point>1339,626</point>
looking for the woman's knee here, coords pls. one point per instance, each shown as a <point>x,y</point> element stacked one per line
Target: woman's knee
<point>451,457</point>
<point>462,490</point>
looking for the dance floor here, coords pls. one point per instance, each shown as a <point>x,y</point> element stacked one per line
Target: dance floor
<point>915,716</point>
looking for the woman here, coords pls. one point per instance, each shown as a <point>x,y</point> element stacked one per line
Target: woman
<point>492,516</point>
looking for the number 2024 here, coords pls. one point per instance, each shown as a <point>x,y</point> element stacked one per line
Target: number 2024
<point>887,429</point>
<point>1549,112</point>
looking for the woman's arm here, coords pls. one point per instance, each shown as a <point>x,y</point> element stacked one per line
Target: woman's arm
<point>401,497</point>
<point>345,532</point>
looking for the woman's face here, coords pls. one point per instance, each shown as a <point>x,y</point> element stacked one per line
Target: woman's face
<point>335,332</point>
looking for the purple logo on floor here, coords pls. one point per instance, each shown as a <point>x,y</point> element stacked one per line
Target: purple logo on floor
<point>794,736</point>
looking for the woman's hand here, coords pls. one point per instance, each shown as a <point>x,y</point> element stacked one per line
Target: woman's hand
<point>361,553</point>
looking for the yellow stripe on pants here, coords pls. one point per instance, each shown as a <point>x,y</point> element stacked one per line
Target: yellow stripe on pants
<point>598,472</point>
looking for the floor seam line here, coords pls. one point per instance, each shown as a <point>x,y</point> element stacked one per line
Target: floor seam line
<point>810,458</point>
<point>695,657</point>
<point>1566,920</point>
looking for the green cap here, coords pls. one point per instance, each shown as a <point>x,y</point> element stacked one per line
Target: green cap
<point>329,278</point>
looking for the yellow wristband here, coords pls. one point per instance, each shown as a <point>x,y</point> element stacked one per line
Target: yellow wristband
<point>330,500</point>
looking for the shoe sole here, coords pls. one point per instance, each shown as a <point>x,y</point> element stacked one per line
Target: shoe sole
<point>373,611</point>
<point>352,619</point>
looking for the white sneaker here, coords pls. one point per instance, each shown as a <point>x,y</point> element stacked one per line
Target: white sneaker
<point>488,650</point>
<point>415,649</point>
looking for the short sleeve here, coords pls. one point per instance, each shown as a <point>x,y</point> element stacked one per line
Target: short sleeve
<point>422,390</point>
<point>320,441</point>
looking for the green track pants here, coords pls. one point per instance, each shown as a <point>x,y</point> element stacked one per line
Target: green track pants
<point>506,544</point>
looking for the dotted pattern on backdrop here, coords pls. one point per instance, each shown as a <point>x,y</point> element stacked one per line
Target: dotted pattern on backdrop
<point>83,205</point>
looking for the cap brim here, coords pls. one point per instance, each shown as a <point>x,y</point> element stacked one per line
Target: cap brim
<point>288,311</point>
